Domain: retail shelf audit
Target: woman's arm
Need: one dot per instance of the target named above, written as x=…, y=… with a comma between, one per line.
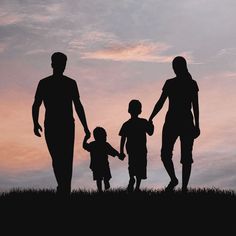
x=195, y=104
x=158, y=105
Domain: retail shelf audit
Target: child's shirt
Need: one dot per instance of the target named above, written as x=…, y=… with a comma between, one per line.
x=135, y=130
x=99, y=152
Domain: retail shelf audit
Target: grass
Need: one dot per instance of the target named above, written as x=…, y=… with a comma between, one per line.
x=121, y=195
x=150, y=209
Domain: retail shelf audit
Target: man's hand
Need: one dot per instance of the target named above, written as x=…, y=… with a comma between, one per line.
x=37, y=127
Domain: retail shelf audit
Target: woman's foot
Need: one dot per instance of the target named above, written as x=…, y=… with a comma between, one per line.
x=170, y=187
x=184, y=189
x=106, y=185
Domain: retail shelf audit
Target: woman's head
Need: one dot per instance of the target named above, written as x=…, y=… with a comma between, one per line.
x=179, y=65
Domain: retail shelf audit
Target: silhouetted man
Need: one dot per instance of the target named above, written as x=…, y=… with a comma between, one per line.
x=58, y=92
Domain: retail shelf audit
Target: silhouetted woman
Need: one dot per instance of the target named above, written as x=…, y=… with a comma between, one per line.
x=182, y=92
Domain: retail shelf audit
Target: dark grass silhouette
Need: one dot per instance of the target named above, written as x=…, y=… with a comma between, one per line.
x=200, y=211
x=120, y=195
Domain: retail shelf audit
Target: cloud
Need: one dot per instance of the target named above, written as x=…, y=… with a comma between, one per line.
x=227, y=51
x=36, y=51
x=91, y=39
x=3, y=47
x=9, y=18
x=38, y=13
x=141, y=51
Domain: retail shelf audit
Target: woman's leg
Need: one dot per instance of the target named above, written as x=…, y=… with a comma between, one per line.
x=186, y=159
x=169, y=138
x=186, y=171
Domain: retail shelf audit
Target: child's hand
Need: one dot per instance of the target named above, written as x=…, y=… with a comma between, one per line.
x=121, y=156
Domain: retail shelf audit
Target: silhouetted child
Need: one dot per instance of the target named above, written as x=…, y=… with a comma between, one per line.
x=99, y=151
x=133, y=134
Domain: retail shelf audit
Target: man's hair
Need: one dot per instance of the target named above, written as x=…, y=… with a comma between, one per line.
x=58, y=57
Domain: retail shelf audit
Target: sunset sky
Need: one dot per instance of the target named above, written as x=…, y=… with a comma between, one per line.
x=118, y=51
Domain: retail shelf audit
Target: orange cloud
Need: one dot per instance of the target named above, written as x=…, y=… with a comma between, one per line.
x=141, y=51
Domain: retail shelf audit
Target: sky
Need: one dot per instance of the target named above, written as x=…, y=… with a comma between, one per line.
x=118, y=51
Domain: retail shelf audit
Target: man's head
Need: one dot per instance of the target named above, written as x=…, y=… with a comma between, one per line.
x=100, y=134
x=135, y=107
x=58, y=62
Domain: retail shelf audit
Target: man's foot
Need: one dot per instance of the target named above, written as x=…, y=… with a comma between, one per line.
x=184, y=189
x=170, y=187
x=130, y=187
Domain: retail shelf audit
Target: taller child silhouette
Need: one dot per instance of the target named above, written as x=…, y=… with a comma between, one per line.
x=182, y=92
x=58, y=92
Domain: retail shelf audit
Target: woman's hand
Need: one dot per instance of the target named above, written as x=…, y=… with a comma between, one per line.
x=196, y=132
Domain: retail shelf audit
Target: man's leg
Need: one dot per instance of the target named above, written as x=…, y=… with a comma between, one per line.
x=61, y=147
x=68, y=152
x=52, y=144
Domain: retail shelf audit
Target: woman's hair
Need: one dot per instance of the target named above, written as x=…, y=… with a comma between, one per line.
x=180, y=68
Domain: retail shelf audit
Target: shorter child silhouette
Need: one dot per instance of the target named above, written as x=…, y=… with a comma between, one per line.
x=99, y=151
x=133, y=134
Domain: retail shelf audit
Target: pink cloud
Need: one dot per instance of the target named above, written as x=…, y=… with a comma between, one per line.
x=141, y=51
x=9, y=18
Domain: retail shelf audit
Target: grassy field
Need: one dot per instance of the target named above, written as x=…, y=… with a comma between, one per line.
x=200, y=210
x=120, y=194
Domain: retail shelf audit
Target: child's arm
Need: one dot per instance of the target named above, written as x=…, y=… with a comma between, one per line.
x=122, y=145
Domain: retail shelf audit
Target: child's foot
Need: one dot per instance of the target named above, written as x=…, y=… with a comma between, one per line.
x=137, y=190
x=130, y=187
x=184, y=189
x=106, y=185
x=170, y=187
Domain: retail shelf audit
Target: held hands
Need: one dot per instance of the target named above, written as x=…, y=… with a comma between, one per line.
x=87, y=133
x=121, y=156
x=37, y=128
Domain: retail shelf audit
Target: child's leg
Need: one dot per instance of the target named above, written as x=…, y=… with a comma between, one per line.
x=138, y=182
x=99, y=185
x=131, y=183
x=131, y=173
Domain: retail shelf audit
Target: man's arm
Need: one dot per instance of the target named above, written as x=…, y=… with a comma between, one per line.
x=35, y=115
x=80, y=109
x=81, y=114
